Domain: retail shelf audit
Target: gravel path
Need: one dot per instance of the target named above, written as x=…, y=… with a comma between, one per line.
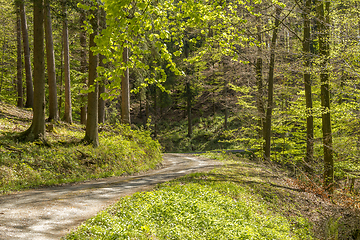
x=50, y=213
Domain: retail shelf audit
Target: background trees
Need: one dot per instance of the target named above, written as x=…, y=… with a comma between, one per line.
x=200, y=74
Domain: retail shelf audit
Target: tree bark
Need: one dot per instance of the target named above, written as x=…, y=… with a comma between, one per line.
x=50, y=56
x=68, y=111
x=91, y=134
x=19, y=83
x=307, y=80
x=83, y=63
x=29, y=82
x=155, y=112
x=61, y=77
x=102, y=83
x=226, y=105
x=125, y=91
x=324, y=52
x=259, y=81
x=101, y=105
x=37, y=128
x=147, y=111
x=271, y=85
x=189, y=117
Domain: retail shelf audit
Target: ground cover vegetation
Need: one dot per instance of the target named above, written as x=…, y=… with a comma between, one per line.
x=64, y=158
x=277, y=77
x=232, y=202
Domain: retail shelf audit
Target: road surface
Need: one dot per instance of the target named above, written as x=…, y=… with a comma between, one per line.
x=50, y=213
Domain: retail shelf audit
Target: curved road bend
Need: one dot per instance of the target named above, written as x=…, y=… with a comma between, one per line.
x=50, y=213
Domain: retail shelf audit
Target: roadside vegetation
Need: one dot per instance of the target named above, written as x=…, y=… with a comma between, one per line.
x=220, y=204
x=243, y=199
x=63, y=158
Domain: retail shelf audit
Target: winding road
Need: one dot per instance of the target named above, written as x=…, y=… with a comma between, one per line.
x=50, y=213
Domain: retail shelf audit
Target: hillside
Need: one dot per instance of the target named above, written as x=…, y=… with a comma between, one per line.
x=64, y=158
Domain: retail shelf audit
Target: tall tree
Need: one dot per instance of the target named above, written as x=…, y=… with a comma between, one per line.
x=188, y=89
x=50, y=56
x=19, y=83
x=102, y=82
x=37, y=128
x=29, y=82
x=323, y=16
x=271, y=84
x=125, y=90
x=68, y=110
x=91, y=134
x=83, y=68
x=259, y=81
x=307, y=81
x=188, y=105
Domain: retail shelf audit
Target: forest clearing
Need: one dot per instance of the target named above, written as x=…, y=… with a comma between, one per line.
x=97, y=89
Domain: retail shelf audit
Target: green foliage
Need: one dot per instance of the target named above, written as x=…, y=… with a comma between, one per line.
x=7, y=51
x=197, y=206
x=208, y=134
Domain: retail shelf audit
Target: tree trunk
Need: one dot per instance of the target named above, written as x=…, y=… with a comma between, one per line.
x=3, y=59
x=50, y=56
x=307, y=81
x=91, y=134
x=189, y=117
x=37, y=128
x=83, y=63
x=226, y=106
x=259, y=81
x=20, y=98
x=29, y=82
x=271, y=85
x=155, y=112
x=68, y=111
x=324, y=52
x=147, y=111
x=125, y=91
x=61, y=78
x=102, y=83
x=101, y=105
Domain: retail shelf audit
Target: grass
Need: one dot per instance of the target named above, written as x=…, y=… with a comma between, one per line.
x=215, y=205
x=26, y=165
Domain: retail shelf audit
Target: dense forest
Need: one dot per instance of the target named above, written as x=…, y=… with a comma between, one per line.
x=277, y=78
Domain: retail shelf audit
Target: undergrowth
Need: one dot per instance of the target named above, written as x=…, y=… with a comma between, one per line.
x=207, y=134
x=215, y=205
x=31, y=164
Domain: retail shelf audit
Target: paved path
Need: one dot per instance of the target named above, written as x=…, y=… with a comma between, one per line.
x=50, y=213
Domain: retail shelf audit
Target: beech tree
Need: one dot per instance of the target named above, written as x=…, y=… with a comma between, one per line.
x=50, y=56
x=28, y=72
x=307, y=82
x=125, y=89
x=84, y=66
x=102, y=80
x=91, y=134
x=19, y=77
x=323, y=23
x=68, y=109
x=270, y=103
x=37, y=128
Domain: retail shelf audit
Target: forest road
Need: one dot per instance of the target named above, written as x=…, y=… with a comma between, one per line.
x=50, y=213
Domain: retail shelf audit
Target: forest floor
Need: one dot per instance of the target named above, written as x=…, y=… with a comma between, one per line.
x=49, y=213
x=311, y=213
